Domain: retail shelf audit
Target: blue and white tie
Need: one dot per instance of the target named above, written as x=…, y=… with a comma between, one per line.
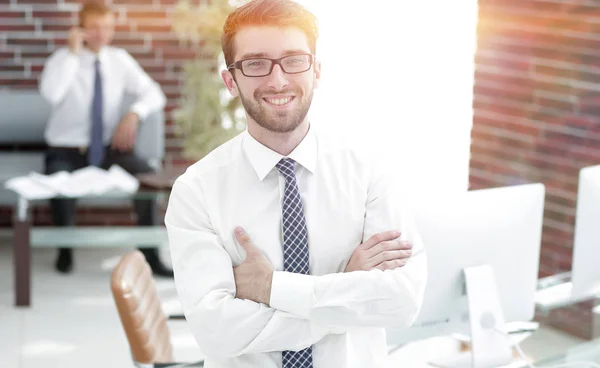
x=295, y=248
x=95, y=152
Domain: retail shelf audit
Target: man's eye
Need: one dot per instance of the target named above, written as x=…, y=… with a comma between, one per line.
x=295, y=61
x=256, y=63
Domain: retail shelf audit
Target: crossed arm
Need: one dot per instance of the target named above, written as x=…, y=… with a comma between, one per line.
x=228, y=321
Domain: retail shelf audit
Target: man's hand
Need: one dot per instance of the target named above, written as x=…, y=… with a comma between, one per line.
x=253, y=277
x=124, y=138
x=76, y=38
x=383, y=251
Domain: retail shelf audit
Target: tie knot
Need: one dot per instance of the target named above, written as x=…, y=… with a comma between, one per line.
x=286, y=168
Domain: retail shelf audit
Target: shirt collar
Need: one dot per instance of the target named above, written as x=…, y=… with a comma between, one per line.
x=264, y=159
x=92, y=57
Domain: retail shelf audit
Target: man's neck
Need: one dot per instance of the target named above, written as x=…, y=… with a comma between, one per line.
x=282, y=143
x=95, y=50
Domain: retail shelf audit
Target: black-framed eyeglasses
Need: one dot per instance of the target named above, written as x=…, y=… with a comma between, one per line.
x=261, y=67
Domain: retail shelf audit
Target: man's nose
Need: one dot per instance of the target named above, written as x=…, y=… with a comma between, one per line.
x=277, y=78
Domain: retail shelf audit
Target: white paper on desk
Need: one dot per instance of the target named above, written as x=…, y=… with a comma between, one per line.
x=54, y=181
x=88, y=181
x=28, y=188
x=122, y=180
x=58, y=182
x=92, y=180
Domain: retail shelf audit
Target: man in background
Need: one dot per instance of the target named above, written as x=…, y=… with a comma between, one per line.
x=85, y=84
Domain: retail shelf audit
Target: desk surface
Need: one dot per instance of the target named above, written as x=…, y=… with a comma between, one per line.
x=162, y=180
x=585, y=352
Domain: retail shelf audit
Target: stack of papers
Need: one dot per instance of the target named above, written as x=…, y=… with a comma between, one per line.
x=89, y=181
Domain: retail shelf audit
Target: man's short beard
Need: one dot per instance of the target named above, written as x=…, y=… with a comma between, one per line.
x=275, y=124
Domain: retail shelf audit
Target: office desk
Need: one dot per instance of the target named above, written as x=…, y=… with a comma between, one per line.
x=585, y=352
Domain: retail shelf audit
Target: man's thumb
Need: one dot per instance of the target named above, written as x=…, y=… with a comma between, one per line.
x=243, y=239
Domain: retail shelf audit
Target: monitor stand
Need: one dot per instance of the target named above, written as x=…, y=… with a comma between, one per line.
x=489, y=347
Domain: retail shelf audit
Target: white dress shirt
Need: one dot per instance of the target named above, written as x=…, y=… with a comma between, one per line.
x=346, y=201
x=67, y=83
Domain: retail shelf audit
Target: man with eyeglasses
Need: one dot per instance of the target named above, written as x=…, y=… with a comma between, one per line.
x=289, y=249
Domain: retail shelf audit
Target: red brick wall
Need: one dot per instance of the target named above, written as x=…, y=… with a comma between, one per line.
x=537, y=115
x=30, y=30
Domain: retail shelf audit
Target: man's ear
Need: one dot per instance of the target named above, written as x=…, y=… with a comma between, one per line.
x=230, y=83
x=317, y=68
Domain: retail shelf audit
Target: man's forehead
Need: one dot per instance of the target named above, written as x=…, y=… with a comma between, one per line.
x=270, y=41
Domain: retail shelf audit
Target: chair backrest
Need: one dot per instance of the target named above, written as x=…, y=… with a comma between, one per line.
x=139, y=307
x=23, y=118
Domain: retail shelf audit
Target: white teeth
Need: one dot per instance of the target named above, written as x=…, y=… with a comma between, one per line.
x=279, y=101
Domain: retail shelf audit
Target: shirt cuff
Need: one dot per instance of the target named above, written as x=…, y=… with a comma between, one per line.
x=292, y=293
x=140, y=110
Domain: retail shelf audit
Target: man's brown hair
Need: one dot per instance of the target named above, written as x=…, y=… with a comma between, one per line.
x=278, y=13
x=93, y=8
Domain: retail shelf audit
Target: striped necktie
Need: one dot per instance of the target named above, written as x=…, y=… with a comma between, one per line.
x=96, y=148
x=295, y=248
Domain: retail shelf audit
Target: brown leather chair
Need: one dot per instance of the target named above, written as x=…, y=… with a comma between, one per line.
x=141, y=314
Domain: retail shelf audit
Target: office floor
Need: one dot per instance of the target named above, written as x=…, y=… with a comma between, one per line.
x=73, y=321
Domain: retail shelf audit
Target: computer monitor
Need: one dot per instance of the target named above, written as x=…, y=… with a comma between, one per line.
x=585, y=273
x=483, y=250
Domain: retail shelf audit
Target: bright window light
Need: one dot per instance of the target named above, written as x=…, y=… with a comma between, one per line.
x=398, y=80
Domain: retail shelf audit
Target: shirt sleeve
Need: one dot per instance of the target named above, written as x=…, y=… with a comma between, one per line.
x=222, y=325
x=150, y=97
x=390, y=298
x=58, y=75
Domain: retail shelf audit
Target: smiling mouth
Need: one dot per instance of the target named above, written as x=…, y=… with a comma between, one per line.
x=279, y=101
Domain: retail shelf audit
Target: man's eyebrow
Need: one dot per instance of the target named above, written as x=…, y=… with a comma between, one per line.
x=252, y=55
x=295, y=52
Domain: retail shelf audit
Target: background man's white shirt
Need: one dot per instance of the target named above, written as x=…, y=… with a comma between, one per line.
x=67, y=83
